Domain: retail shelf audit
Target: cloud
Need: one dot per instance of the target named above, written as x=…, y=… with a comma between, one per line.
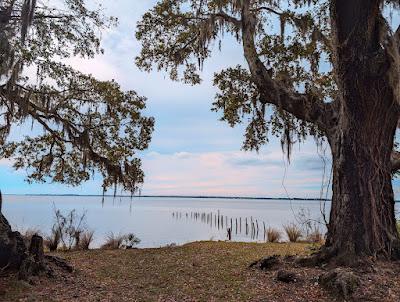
x=231, y=173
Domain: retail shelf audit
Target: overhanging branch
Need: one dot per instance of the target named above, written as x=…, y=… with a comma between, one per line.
x=304, y=106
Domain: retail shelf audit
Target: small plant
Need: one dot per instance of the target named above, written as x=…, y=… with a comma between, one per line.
x=293, y=232
x=114, y=242
x=273, y=235
x=52, y=242
x=67, y=231
x=129, y=241
x=86, y=238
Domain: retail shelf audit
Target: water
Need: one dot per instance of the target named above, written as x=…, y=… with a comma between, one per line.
x=159, y=221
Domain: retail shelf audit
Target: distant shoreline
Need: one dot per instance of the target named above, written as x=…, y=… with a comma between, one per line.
x=179, y=196
x=173, y=196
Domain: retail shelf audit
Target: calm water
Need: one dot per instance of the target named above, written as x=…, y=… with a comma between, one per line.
x=159, y=221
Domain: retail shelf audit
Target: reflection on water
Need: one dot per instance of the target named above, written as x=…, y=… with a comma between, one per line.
x=161, y=221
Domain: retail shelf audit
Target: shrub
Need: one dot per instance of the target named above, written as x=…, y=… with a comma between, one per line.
x=52, y=242
x=129, y=241
x=273, y=235
x=67, y=229
x=86, y=238
x=113, y=241
x=293, y=232
x=119, y=241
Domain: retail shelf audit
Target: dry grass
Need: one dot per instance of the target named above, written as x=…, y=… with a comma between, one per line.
x=52, y=241
x=120, y=241
x=273, y=235
x=85, y=239
x=293, y=232
x=201, y=271
x=113, y=241
x=315, y=236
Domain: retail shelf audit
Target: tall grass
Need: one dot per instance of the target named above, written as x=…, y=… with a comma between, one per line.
x=120, y=241
x=293, y=232
x=86, y=238
x=273, y=235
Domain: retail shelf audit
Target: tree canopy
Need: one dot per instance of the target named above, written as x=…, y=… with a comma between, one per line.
x=289, y=80
x=326, y=68
x=88, y=125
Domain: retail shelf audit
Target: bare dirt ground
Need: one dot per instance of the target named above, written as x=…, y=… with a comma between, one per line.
x=201, y=271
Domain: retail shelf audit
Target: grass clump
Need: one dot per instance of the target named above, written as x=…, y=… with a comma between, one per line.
x=293, y=232
x=120, y=241
x=85, y=239
x=273, y=235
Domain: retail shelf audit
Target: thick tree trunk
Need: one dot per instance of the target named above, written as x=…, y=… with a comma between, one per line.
x=12, y=246
x=362, y=220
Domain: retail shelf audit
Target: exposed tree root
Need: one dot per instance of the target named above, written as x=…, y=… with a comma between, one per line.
x=16, y=257
x=342, y=278
x=36, y=263
x=330, y=257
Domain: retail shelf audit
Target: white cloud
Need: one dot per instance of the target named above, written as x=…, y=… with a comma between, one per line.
x=231, y=174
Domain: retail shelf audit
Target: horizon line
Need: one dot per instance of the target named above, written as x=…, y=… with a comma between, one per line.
x=176, y=196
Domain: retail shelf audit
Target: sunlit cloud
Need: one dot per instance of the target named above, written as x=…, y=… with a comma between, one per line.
x=231, y=174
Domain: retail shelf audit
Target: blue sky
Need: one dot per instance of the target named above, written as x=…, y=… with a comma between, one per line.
x=192, y=153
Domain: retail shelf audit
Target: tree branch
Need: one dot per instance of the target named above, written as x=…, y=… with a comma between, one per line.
x=304, y=106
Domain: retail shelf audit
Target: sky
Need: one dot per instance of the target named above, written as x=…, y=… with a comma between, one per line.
x=192, y=152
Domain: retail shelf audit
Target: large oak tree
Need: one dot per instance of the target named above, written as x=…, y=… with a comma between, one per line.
x=314, y=67
x=80, y=124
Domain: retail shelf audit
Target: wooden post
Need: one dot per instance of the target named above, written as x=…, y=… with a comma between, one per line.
x=240, y=225
x=257, y=228
x=229, y=234
x=265, y=231
x=236, y=225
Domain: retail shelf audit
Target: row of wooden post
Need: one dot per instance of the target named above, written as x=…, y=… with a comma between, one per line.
x=251, y=225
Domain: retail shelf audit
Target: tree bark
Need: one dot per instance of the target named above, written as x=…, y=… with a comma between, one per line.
x=13, y=250
x=12, y=246
x=362, y=219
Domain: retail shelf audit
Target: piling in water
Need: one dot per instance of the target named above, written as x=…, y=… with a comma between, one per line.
x=229, y=234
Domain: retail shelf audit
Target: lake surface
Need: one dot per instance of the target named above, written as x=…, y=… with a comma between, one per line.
x=159, y=221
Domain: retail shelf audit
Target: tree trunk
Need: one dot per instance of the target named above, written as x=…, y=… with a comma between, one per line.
x=12, y=246
x=362, y=220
